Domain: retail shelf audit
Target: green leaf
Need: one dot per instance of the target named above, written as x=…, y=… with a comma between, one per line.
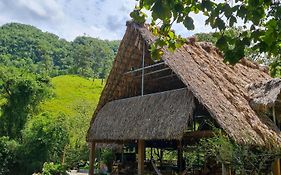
x=171, y=34
x=220, y=23
x=227, y=10
x=232, y=20
x=161, y=11
x=146, y=4
x=230, y=57
x=188, y=23
x=138, y=16
x=242, y=11
x=222, y=43
x=206, y=4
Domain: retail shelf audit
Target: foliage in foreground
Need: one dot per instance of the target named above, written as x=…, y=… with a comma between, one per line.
x=242, y=159
x=53, y=169
x=274, y=63
x=263, y=16
x=44, y=139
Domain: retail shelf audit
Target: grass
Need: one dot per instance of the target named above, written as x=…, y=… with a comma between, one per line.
x=71, y=90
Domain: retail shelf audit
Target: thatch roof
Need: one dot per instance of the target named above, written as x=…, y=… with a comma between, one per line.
x=162, y=115
x=265, y=94
x=221, y=88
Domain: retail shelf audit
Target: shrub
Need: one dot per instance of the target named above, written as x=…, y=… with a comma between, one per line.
x=53, y=169
x=44, y=140
x=8, y=149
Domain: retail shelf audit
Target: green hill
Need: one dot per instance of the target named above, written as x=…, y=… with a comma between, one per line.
x=70, y=92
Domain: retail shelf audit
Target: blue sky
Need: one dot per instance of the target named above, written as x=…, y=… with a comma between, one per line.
x=103, y=19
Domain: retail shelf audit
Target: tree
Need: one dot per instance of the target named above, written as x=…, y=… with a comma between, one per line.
x=82, y=57
x=22, y=92
x=93, y=57
x=8, y=149
x=44, y=140
x=263, y=16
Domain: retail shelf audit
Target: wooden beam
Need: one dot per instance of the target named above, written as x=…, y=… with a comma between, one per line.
x=140, y=157
x=92, y=158
x=276, y=167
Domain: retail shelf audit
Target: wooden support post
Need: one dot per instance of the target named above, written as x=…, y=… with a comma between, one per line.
x=276, y=167
x=151, y=156
x=140, y=157
x=92, y=158
x=180, y=157
x=225, y=170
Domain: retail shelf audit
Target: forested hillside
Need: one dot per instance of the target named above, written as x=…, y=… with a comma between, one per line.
x=28, y=47
x=49, y=88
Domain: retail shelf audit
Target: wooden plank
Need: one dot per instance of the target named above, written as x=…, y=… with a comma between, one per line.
x=92, y=158
x=276, y=167
x=140, y=157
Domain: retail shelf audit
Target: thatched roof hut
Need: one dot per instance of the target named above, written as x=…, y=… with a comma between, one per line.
x=225, y=91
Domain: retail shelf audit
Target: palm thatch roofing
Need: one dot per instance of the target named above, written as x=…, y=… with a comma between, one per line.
x=266, y=97
x=162, y=115
x=265, y=94
x=221, y=88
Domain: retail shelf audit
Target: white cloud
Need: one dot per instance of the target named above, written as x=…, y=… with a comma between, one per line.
x=104, y=19
x=31, y=11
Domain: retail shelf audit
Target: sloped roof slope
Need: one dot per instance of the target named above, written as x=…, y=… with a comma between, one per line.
x=163, y=115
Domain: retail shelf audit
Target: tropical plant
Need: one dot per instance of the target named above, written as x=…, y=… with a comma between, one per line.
x=262, y=17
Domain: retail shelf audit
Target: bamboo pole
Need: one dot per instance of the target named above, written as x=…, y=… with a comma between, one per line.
x=276, y=167
x=92, y=158
x=140, y=157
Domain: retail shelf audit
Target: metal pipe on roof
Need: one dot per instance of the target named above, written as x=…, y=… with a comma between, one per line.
x=156, y=71
x=142, y=73
x=146, y=67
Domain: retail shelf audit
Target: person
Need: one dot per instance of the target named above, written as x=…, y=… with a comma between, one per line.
x=103, y=169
